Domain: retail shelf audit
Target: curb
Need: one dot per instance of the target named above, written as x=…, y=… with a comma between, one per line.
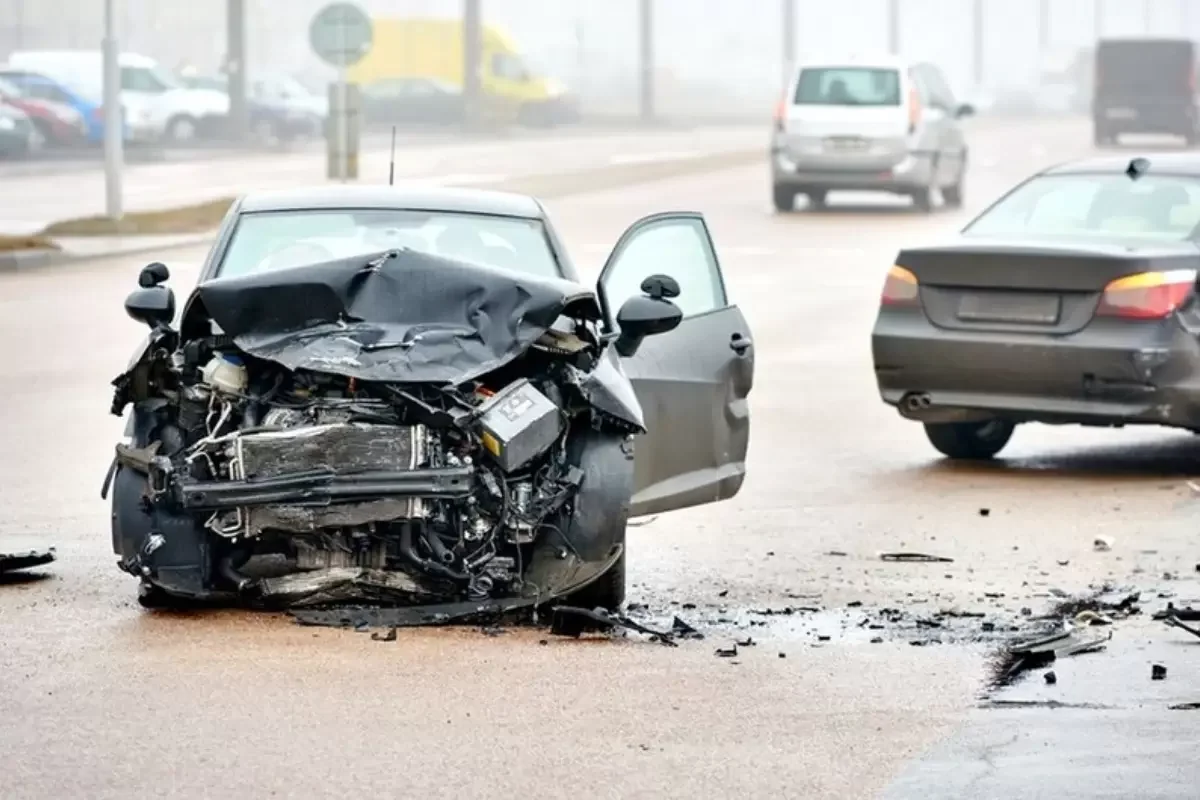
x=565, y=184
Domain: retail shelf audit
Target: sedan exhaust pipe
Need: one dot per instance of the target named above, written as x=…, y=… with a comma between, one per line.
x=917, y=402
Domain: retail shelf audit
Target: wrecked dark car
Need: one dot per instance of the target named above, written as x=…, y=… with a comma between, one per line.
x=406, y=397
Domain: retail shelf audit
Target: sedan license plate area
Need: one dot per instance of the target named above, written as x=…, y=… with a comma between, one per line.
x=1121, y=113
x=1022, y=308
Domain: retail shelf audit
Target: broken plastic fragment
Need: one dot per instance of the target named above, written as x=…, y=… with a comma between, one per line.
x=915, y=557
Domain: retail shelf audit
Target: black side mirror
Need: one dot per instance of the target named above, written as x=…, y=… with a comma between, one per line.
x=964, y=110
x=153, y=274
x=649, y=314
x=152, y=303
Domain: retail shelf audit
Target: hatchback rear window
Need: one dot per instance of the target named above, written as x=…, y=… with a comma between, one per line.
x=848, y=86
x=1158, y=207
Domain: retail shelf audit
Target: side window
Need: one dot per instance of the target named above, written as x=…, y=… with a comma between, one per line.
x=138, y=79
x=508, y=67
x=676, y=247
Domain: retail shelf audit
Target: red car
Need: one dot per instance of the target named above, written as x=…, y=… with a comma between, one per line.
x=58, y=124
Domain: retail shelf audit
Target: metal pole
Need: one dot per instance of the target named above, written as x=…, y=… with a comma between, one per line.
x=894, y=27
x=113, y=115
x=977, y=39
x=343, y=117
x=472, y=56
x=1098, y=19
x=789, y=38
x=1148, y=14
x=235, y=67
x=646, y=32
x=1043, y=26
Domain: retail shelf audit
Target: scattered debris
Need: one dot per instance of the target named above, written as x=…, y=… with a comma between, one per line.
x=390, y=636
x=726, y=652
x=1089, y=617
x=983, y=512
x=747, y=642
x=1158, y=672
x=1043, y=651
x=823, y=638
x=1066, y=562
x=1102, y=544
x=854, y=604
x=783, y=655
x=922, y=558
x=1050, y=677
x=877, y=640
x=838, y=553
x=1175, y=622
x=1187, y=614
x=723, y=593
x=684, y=630
x=1193, y=706
x=572, y=621
x=10, y=562
x=1195, y=487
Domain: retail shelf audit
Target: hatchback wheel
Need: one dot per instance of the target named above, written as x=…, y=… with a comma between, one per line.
x=969, y=441
x=784, y=198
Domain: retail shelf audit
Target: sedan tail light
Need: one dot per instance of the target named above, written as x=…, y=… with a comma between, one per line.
x=900, y=288
x=1147, y=295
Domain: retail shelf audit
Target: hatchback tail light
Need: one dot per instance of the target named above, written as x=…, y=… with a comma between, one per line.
x=900, y=288
x=914, y=110
x=1147, y=295
x=780, y=115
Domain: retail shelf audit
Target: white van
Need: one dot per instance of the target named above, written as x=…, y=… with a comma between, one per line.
x=155, y=103
x=879, y=124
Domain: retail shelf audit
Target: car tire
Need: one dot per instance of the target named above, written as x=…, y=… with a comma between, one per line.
x=953, y=194
x=923, y=199
x=969, y=441
x=784, y=199
x=816, y=200
x=607, y=591
x=182, y=128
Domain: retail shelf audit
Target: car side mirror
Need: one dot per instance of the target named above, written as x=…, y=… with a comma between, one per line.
x=153, y=274
x=648, y=314
x=152, y=303
x=964, y=110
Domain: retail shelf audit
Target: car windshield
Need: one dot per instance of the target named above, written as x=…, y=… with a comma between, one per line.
x=848, y=86
x=10, y=89
x=283, y=239
x=1090, y=205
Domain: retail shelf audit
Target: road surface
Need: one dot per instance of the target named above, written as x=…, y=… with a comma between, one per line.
x=105, y=700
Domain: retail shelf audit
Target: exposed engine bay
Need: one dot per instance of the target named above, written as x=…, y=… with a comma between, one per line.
x=265, y=464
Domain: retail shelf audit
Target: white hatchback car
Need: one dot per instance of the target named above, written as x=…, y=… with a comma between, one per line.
x=878, y=125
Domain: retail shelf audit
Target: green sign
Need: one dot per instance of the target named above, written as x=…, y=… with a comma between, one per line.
x=341, y=34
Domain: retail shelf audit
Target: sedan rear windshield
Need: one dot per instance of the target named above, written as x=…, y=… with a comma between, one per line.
x=284, y=239
x=848, y=86
x=1158, y=207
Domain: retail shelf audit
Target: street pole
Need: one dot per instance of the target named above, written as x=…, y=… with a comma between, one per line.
x=977, y=39
x=1043, y=27
x=113, y=116
x=1098, y=19
x=472, y=53
x=894, y=27
x=1148, y=14
x=646, y=32
x=789, y=39
x=235, y=67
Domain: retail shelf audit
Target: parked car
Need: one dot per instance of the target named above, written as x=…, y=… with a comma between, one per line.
x=277, y=113
x=18, y=136
x=412, y=101
x=869, y=125
x=156, y=105
x=57, y=124
x=90, y=106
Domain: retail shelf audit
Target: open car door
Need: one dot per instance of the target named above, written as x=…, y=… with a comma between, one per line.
x=692, y=381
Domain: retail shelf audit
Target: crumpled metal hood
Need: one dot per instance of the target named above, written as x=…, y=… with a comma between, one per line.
x=395, y=316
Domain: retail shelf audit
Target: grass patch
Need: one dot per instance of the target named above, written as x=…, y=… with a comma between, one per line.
x=12, y=244
x=186, y=219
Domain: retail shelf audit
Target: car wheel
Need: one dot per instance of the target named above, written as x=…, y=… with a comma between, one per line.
x=181, y=129
x=969, y=441
x=607, y=591
x=785, y=199
x=923, y=199
x=154, y=597
x=953, y=194
x=816, y=199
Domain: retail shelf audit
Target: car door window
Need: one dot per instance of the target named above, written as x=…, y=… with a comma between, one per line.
x=676, y=246
x=139, y=79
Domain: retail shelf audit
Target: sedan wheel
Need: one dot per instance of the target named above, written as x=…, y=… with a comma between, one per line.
x=969, y=441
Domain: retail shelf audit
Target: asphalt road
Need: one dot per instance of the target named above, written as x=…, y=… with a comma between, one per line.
x=102, y=699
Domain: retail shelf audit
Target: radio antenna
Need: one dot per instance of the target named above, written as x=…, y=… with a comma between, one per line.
x=392, y=160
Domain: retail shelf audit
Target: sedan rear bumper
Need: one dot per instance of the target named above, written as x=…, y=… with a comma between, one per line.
x=1111, y=373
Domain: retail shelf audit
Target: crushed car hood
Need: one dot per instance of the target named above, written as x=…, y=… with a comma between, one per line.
x=397, y=316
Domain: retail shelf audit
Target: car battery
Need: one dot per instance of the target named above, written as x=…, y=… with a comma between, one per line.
x=517, y=424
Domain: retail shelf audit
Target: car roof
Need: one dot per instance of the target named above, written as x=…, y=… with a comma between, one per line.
x=880, y=60
x=1162, y=163
x=415, y=197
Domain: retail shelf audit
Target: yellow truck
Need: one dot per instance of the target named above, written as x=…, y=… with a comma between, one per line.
x=433, y=48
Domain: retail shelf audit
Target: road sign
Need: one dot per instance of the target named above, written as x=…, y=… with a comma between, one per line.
x=341, y=34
